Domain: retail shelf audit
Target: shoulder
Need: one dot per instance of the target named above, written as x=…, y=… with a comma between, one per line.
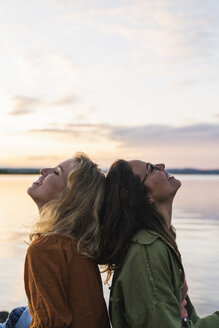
x=149, y=258
x=52, y=246
x=150, y=250
x=152, y=242
x=51, y=241
x=145, y=237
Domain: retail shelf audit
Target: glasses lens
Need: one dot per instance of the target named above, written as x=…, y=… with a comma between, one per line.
x=155, y=167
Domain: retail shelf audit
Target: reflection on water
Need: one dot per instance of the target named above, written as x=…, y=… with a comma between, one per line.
x=17, y=213
x=195, y=216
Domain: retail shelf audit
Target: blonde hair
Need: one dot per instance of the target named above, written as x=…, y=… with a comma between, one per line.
x=75, y=213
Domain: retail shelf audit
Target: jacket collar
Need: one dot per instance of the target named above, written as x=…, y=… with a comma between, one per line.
x=148, y=237
x=145, y=237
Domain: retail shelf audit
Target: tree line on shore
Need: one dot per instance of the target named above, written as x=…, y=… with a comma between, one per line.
x=172, y=171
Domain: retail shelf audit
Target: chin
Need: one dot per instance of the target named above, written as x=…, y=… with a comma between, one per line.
x=176, y=181
x=31, y=192
x=177, y=184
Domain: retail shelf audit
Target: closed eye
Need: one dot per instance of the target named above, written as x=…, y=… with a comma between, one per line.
x=152, y=168
x=56, y=172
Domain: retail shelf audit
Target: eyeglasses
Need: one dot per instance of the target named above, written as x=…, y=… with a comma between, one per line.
x=150, y=167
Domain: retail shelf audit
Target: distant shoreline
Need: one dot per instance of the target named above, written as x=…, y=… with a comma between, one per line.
x=173, y=171
x=19, y=171
x=192, y=171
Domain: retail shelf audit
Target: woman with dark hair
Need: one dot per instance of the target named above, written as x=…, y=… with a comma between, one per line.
x=138, y=244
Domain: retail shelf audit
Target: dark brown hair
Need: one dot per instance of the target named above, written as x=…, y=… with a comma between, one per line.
x=126, y=209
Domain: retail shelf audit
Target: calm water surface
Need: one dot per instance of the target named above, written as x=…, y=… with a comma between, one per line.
x=195, y=216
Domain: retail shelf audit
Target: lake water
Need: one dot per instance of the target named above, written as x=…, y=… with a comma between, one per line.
x=195, y=216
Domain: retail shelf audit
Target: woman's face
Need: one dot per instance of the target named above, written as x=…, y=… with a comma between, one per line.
x=51, y=182
x=161, y=185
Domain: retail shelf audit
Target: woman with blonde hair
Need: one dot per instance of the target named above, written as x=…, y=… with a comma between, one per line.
x=62, y=279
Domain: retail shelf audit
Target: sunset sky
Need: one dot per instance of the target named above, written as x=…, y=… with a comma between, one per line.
x=115, y=79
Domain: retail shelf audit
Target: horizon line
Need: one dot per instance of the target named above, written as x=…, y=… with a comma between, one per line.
x=185, y=170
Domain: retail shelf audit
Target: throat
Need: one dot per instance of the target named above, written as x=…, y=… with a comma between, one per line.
x=166, y=211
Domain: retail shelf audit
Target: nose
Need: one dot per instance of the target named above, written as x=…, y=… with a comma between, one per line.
x=161, y=166
x=44, y=171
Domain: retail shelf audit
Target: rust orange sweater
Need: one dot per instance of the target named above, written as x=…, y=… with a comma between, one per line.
x=63, y=288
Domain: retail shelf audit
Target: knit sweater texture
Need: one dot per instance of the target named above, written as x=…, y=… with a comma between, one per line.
x=64, y=289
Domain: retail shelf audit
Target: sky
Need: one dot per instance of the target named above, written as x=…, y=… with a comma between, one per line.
x=134, y=79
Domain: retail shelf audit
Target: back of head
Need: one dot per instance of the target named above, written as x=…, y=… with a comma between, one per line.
x=126, y=209
x=75, y=213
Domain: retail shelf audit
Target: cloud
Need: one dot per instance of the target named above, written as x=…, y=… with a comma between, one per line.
x=140, y=136
x=78, y=130
x=66, y=101
x=87, y=114
x=24, y=105
x=167, y=135
x=59, y=4
x=42, y=157
x=162, y=28
x=183, y=82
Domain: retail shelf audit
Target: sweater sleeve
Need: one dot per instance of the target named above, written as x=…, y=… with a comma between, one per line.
x=46, y=283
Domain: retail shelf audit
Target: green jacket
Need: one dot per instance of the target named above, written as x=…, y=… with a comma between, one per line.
x=147, y=291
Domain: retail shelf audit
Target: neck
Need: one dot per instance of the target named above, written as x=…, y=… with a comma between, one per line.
x=39, y=206
x=166, y=211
